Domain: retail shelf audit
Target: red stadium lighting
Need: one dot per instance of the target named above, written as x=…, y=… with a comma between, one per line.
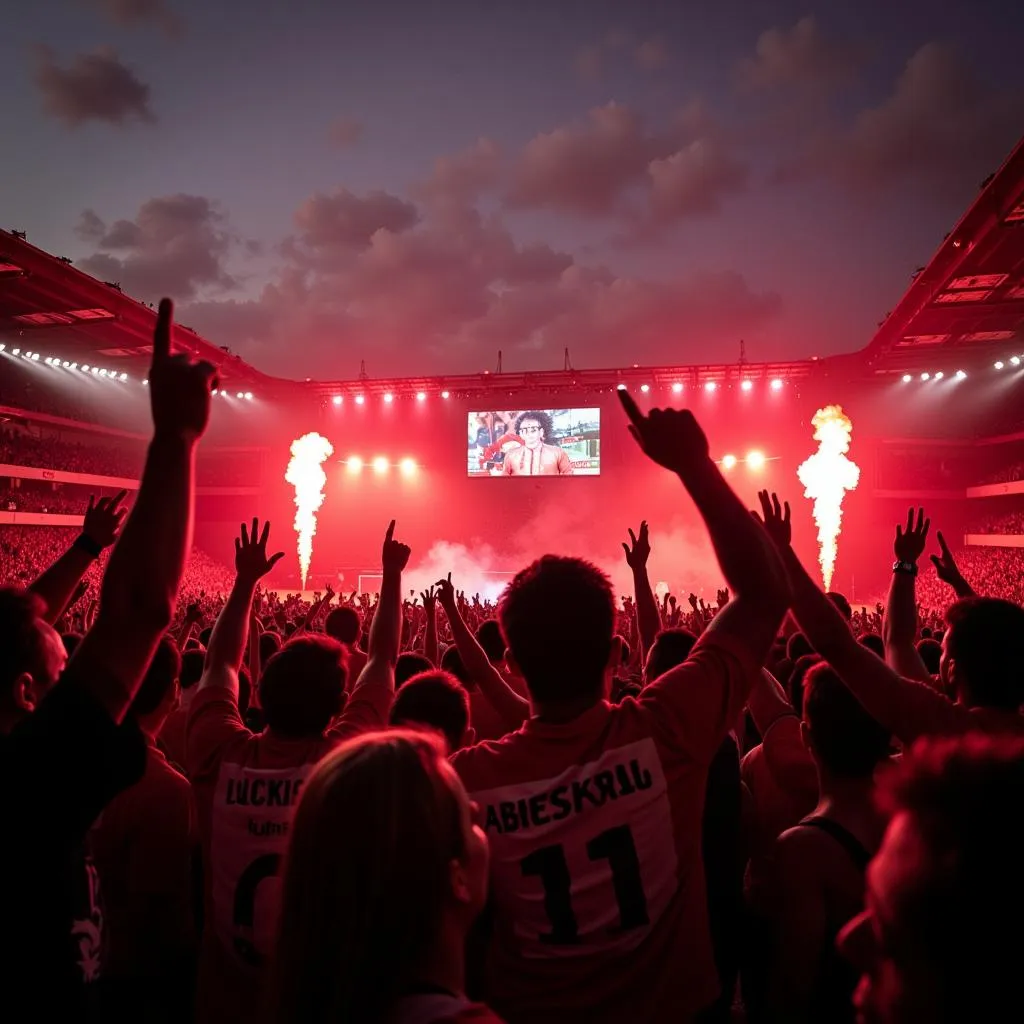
x=421, y=396
x=755, y=460
x=620, y=387
x=645, y=388
x=926, y=376
x=1015, y=360
x=776, y=385
x=360, y=399
x=444, y=394
x=677, y=387
x=380, y=464
x=960, y=375
x=408, y=467
x=355, y=464
x=710, y=386
x=939, y=375
x=907, y=378
x=388, y=397
x=728, y=461
x=999, y=365
x=336, y=399
x=747, y=385
x=248, y=396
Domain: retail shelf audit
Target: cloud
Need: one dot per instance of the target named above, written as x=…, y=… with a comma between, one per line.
x=176, y=245
x=585, y=168
x=941, y=127
x=798, y=57
x=346, y=132
x=343, y=220
x=461, y=178
x=694, y=180
x=94, y=87
x=651, y=54
x=129, y=13
x=442, y=296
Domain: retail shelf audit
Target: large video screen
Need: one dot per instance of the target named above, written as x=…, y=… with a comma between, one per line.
x=535, y=442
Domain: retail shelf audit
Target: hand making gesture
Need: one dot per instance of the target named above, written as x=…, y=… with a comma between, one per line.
x=394, y=554
x=775, y=518
x=429, y=600
x=639, y=548
x=910, y=541
x=103, y=519
x=179, y=389
x=670, y=437
x=251, y=561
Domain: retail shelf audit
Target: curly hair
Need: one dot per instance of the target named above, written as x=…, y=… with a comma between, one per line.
x=544, y=419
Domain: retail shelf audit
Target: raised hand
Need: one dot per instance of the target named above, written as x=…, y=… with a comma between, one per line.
x=429, y=600
x=670, y=437
x=395, y=554
x=722, y=597
x=775, y=518
x=446, y=592
x=179, y=389
x=103, y=519
x=910, y=541
x=251, y=561
x=945, y=564
x=193, y=613
x=639, y=548
x=328, y=594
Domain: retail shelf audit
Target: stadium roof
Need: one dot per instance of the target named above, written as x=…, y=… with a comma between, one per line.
x=967, y=305
x=63, y=312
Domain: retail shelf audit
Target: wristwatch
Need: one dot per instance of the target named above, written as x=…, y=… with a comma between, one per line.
x=907, y=568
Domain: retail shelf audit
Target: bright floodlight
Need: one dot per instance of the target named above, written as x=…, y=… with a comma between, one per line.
x=677, y=387
x=354, y=463
x=999, y=364
x=1015, y=360
x=728, y=461
x=960, y=375
x=747, y=385
x=388, y=397
x=336, y=399
x=444, y=394
x=710, y=386
x=776, y=385
x=407, y=466
x=926, y=376
x=645, y=388
x=907, y=378
x=421, y=396
x=620, y=387
x=248, y=396
x=755, y=460
x=124, y=376
x=240, y=394
x=939, y=375
x=360, y=399
x=380, y=464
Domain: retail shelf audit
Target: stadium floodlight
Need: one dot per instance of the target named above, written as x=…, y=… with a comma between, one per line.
x=728, y=461
x=939, y=375
x=248, y=396
x=710, y=387
x=776, y=385
x=926, y=376
x=747, y=385
x=999, y=364
x=354, y=463
x=960, y=375
x=755, y=460
x=1015, y=360
x=388, y=397
x=620, y=387
x=360, y=399
x=907, y=378
x=444, y=394
x=645, y=388
x=421, y=396
x=380, y=464
x=676, y=388
x=407, y=466
x=336, y=399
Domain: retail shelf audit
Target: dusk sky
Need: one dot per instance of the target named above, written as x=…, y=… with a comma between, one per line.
x=422, y=184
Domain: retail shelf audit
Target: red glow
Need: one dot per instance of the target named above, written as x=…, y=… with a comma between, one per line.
x=336, y=399
x=408, y=467
x=380, y=464
x=355, y=464
x=755, y=460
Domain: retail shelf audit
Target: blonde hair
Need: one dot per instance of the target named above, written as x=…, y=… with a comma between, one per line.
x=365, y=879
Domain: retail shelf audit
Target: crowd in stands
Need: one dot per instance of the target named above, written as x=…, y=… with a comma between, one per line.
x=1005, y=474
x=41, y=499
x=1010, y=522
x=227, y=804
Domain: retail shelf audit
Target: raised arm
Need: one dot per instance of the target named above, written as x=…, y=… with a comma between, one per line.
x=57, y=584
x=141, y=583
x=648, y=618
x=907, y=709
x=899, y=627
x=430, y=625
x=949, y=572
x=505, y=701
x=749, y=562
x=227, y=641
x=386, y=627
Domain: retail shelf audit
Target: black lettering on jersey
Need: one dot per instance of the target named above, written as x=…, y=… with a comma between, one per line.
x=492, y=824
x=258, y=792
x=605, y=782
x=563, y=807
x=641, y=776
x=263, y=792
x=509, y=821
x=626, y=788
x=581, y=792
x=538, y=812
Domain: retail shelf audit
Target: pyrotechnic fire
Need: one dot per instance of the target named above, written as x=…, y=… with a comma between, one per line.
x=827, y=476
x=305, y=473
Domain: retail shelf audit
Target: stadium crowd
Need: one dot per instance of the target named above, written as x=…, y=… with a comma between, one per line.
x=1010, y=522
x=225, y=804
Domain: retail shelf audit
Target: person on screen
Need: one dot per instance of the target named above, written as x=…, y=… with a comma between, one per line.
x=536, y=456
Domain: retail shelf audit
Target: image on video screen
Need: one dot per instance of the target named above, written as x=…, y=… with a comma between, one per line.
x=535, y=442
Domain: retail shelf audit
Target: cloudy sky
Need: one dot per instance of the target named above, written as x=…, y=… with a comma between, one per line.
x=422, y=184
